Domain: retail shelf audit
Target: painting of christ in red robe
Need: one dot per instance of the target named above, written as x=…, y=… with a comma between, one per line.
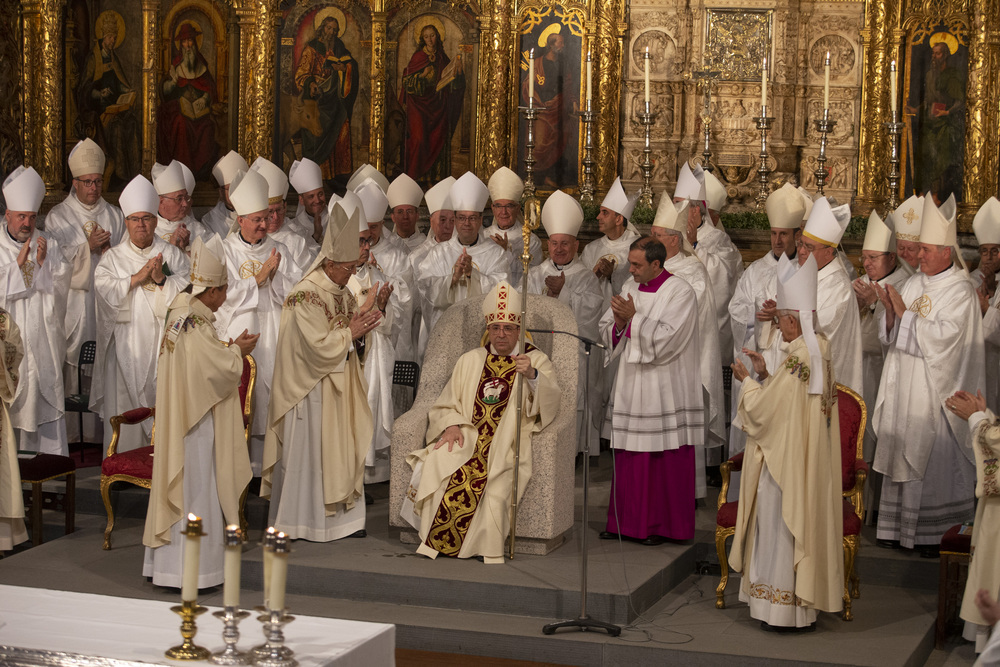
x=186, y=128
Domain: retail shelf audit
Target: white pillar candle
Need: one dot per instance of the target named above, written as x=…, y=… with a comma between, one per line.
x=646, y=73
x=589, y=75
x=826, y=82
x=892, y=89
x=268, y=559
x=531, y=76
x=763, y=86
x=231, y=582
x=192, y=554
x=279, y=572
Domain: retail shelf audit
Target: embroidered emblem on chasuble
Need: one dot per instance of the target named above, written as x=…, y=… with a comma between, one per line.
x=466, y=486
x=9, y=351
x=342, y=312
x=89, y=227
x=921, y=306
x=250, y=268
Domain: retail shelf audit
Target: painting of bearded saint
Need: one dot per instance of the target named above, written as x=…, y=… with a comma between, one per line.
x=556, y=96
x=432, y=92
x=186, y=129
x=327, y=77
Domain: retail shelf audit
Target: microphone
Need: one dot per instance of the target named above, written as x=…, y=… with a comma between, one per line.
x=583, y=339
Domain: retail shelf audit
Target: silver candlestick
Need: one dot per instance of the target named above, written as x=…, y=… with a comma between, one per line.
x=646, y=118
x=894, y=175
x=763, y=171
x=587, y=186
x=231, y=617
x=824, y=125
x=274, y=653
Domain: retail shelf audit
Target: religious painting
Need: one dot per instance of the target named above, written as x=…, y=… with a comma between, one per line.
x=555, y=34
x=933, y=110
x=103, y=85
x=325, y=90
x=431, y=98
x=192, y=121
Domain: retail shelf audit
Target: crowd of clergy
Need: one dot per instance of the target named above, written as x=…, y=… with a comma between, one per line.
x=329, y=296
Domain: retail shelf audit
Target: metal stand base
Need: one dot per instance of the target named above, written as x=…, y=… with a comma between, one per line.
x=583, y=624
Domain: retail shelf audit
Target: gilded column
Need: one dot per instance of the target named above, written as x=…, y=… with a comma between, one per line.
x=42, y=84
x=260, y=131
x=150, y=83
x=496, y=104
x=982, y=119
x=609, y=56
x=873, y=140
x=376, y=142
x=246, y=15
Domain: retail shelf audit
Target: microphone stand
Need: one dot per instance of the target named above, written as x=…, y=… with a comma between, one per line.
x=583, y=623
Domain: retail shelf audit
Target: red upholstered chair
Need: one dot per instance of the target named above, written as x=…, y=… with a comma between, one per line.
x=136, y=466
x=854, y=471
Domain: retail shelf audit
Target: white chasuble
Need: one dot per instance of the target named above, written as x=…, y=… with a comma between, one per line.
x=219, y=219
x=165, y=228
x=130, y=323
x=12, y=530
x=515, y=246
x=724, y=264
x=615, y=252
x=421, y=306
x=393, y=261
x=460, y=500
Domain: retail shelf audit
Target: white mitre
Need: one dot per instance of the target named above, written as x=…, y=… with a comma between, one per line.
x=562, y=214
x=505, y=184
x=208, y=264
x=86, y=158
x=248, y=193
x=616, y=200
x=168, y=178
x=938, y=225
x=674, y=217
x=404, y=191
x=879, y=236
x=785, y=208
x=715, y=192
x=305, y=176
x=502, y=305
x=373, y=199
x=350, y=203
x=807, y=201
x=827, y=224
x=691, y=183
x=363, y=173
x=439, y=197
x=189, y=182
x=228, y=166
x=139, y=196
x=797, y=291
x=277, y=182
x=986, y=224
x=24, y=190
x=907, y=219
x=469, y=193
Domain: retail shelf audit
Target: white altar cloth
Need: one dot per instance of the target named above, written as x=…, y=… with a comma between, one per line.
x=141, y=630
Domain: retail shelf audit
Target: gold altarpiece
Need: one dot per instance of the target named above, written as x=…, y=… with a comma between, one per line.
x=862, y=36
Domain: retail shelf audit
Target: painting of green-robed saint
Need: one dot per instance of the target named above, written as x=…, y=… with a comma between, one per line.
x=934, y=118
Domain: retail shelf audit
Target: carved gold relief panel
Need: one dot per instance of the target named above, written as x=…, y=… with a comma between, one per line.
x=737, y=42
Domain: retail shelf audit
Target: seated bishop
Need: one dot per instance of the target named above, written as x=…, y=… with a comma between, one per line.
x=465, y=265
x=174, y=184
x=260, y=278
x=201, y=465
x=135, y=282
x=459, y=497
x=788, y=544
x=565, y=277
x=221, y=217
x=319, y=428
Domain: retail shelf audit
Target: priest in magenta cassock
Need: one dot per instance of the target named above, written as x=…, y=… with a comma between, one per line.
x=657, y=408
x=459, y=497
x=319, y=427
x=201, y=465
x=136, y=281
x=34, y=282
x=788, y=544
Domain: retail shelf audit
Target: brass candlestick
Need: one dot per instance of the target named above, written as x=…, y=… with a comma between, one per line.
x=231, y=617
x=188, y=610
x=824, y=125
x=646, y=118
x=587, y=187
x=895, y=129
x=763, y=171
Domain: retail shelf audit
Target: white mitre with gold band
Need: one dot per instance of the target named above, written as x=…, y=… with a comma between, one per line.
x=715, y=192
x=373, y=199
x=305, y=176
x=827, y=224
x=505, y=184
x=438, y=198
x=469, y=193
x=208, y=264
x=404, y=191
x=691, y=183
x=616, y=200
x=86, y=158
x=139, y=196
x=785, y=208
x=674, y=217
x=879, y=237
x=248, y=193
x=502, y=305
x=363, y=173
x=228, y=166
x=24, y=190
x=797, y=287
x=986, y=224
x=562, y=214
x=907, y=219
x=277, y=182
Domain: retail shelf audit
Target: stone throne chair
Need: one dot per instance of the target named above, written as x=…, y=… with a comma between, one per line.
x=545, y=513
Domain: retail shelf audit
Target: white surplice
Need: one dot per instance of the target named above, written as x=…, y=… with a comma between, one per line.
x=617, y=253
x=515, y=246
x=129, y=329
x=724, y=263
x=219, y=219
x=35, y=296
x=393, y=261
